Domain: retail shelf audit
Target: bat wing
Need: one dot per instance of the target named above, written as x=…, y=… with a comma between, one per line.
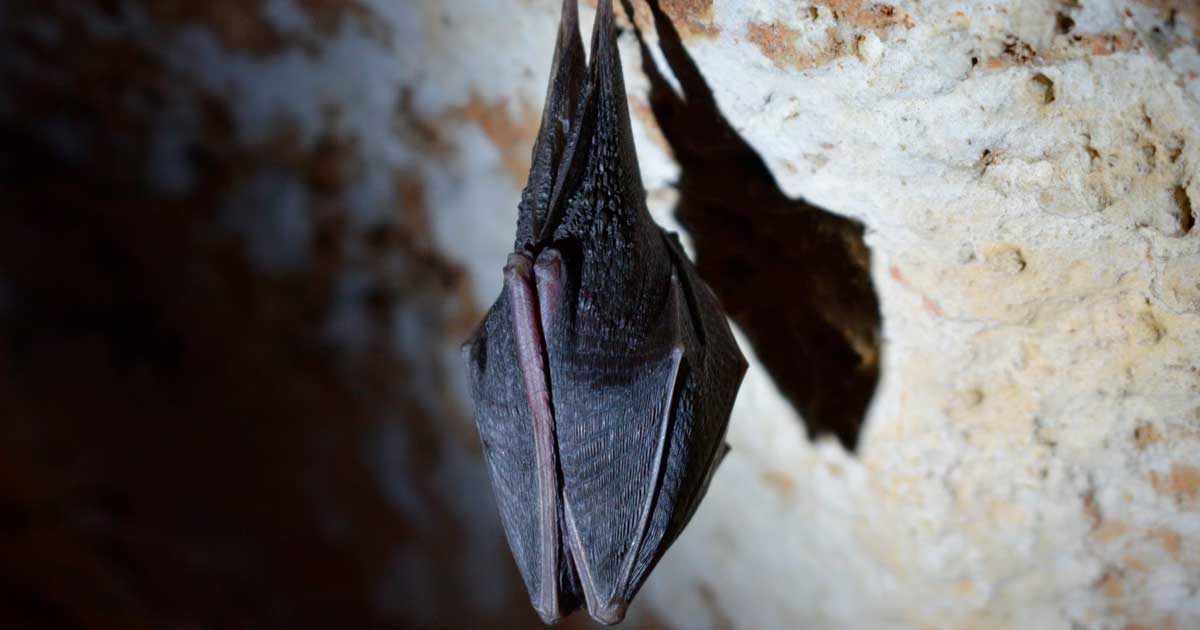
x=638, y=433
x=508, y=378
x=613, y=407
x=506, y=430
x=638, y=452
x=706, y=397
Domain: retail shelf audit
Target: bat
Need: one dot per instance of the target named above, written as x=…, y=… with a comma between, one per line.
x=605, y=373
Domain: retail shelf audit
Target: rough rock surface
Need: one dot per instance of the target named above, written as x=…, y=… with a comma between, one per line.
x=1029, y=175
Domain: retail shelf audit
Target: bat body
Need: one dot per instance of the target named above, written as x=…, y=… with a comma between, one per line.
x=604, y=374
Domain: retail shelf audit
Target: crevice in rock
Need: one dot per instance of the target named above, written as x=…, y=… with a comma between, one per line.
x=985, y=160
x=1186, y=218
x=1046, y=87
x=795, y=277
x=1063, y=22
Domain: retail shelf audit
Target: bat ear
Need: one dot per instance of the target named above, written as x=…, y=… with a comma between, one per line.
x=560, y=114
x=599, y=147
x=612, y=108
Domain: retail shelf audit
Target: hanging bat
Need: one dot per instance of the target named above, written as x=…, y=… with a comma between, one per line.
x=604, y=374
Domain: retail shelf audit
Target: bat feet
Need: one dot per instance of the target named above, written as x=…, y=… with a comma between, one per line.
x=550, y=616
x=518, y=267
x=549, y=266
x=551, y=278
x=609, y=614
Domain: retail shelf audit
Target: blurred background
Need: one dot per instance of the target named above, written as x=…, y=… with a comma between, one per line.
x=228, y=335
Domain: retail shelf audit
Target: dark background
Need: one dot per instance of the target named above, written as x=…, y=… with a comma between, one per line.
x=193, y=435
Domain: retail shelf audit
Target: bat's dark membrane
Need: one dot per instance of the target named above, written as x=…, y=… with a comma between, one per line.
x=605, y=373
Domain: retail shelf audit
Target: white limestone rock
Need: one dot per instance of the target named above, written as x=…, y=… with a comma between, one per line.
x=1027, y=172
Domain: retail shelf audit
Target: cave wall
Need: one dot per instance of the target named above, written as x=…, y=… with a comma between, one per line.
x=1026, y=172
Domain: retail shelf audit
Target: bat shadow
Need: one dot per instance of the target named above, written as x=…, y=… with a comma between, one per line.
x=794, y=277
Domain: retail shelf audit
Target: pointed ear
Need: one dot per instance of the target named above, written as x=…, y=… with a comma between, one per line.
x=600, y=144
x=612, y=108
x=568, y=73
